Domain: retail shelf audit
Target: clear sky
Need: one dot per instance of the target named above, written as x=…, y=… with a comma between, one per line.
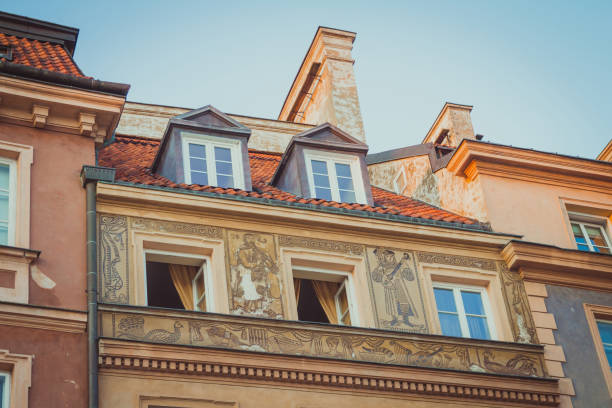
x=539, y=73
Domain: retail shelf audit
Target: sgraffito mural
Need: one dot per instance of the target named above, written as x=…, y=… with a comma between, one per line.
x=254, y=278
x=113, y=259
x=517, y=304
x=395, y=291
x=288, y=338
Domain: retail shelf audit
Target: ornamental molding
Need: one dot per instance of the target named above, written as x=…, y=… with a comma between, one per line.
x=147, y=224
x=67, y=321
x=320, y=244
x=168, y=360
x=456, y=260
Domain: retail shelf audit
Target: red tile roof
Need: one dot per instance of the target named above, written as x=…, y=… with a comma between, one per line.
x=133, y=156
x=40, y=54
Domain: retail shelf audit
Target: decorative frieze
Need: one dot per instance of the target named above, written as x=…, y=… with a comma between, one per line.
x=146, y=224
x=113, y=259
x=320, y=244
x=517, y=304
x=456, y=260
x=314, y=340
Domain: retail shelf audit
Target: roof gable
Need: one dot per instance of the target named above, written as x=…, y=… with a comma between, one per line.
x=328, y=135
x=209, y=116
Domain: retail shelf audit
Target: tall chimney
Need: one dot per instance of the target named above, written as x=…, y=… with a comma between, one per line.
x=324, y=89
x=452, y=125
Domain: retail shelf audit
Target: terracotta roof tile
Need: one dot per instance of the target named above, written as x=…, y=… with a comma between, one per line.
x=133, y=156
x=40, y=54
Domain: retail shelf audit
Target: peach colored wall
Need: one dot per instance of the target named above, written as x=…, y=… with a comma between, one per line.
x=57, y=212
x=534, y=210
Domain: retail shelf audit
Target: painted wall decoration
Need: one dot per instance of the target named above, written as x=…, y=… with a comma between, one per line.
x=254, y=278
x=113, y=259
x=517, y=304
x=321, y=244
x=289, y=338
x=147, y=224
x=395, y=290
x=456, y=260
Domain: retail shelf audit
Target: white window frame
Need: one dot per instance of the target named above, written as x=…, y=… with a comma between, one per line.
x=465, y=330
x=592, y=221
x=196, y=299
x=344, y=278
x=401, y=175
x=331, y=159
x=12, y=199
x=210, y=142
x=154, y=255
x=6, y=392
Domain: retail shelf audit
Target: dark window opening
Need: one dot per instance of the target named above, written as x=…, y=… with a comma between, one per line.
x=6, y=52
x=161, y=291
x=309, y=308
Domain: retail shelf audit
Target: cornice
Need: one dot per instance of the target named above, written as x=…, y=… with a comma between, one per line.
x=121, y=195
x=553, y=265
x=473, y=157
x=67, y=321
x=63, y=109
x=606, y=153
x=357, y=377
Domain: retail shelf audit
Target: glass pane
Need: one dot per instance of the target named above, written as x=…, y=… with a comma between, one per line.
x=3, y=233
x=605, y=331
x=342, y=301
x=450, y=324
x=347, y=196
x=199, y=285
x=321, y=180
x=603, y=250
x=324, y=193
x=478, y=327
x=202, y=304
x=445, y=300
x=343, y=170
x=197, y=164
x=576, y=229
x=196, y=150
x=472, y=303
x=608, y=350
x=2, y=382
x=346, y=320
x=223, y=153
x=225, y=181
x=4, y=207
x=224, y=168
x=4, y=176
x=596, y=236
x=319, y=167
x=199, y=178
x=345, y=183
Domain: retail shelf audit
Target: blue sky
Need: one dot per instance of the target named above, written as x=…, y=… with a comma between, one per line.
x=539, y=73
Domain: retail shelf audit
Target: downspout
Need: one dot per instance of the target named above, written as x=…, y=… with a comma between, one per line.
x=90, y=175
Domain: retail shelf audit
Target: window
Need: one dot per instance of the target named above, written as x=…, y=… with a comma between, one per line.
x=7, y=202
x=463, y=311
x=590, y=237
x=400, y=182
x=176, y=281
x=333, y=177
x=605, y=334
x=214, y=161
x=323, y=296
x=599, y=320
x=5, y=388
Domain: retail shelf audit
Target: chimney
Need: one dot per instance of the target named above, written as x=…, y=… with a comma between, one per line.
x=452, y=125
x=324, y=89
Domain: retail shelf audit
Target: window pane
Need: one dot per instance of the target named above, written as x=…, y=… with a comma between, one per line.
x=224, y=168
x=4, y=177
x=472, y=303
x=343, y=170
x=450, y=324
x=605, y=331
x=608, y=350
x=225, y=181
x=199, y=178
x=197, y=164
x=478, y=327
x=319, y=167
x=2, y=385
x=576, y=229
x=347, y=196
x=321, y=180
x=3, y=233
x=323, y=193
x=196, y=150
x=596, y=236
x=4, y=207
x=445, y=300
x=223, y=153
x=345, y=183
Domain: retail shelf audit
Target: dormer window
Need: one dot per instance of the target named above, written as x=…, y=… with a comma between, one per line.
x=334, y=177
x=211, y=160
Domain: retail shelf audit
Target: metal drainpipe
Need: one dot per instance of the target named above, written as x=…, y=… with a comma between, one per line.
x=90, y=175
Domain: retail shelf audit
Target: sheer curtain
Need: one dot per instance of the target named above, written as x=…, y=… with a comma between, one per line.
x=297, y=285
x=325, y=292
x=182, y=277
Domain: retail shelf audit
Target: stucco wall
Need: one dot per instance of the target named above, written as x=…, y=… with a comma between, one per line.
x=573, y=333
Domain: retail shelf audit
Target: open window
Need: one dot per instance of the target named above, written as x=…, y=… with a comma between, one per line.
x=177, y=281
x=323, y=296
